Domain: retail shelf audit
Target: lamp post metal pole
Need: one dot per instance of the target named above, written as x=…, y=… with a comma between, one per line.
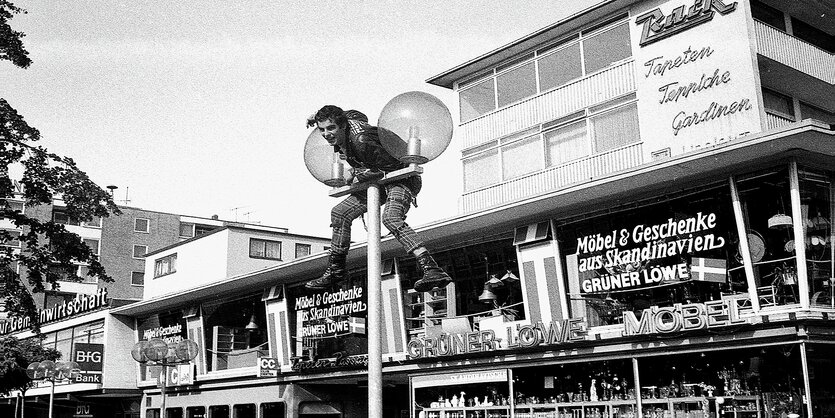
x=375, y=320
x=164, y=380
x=51, y=395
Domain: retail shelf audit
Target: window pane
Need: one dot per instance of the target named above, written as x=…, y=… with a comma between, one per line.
x=139, y=251
x=219, y=411
x=272, y=410
x=186, y=229
x=560, y=67
x=768, y=15
x=813, y=35
x=302, y=250
x=273, y=250
x=516, y=84
x=567, y=143
x=137, y=278
x=93, y=244
x=243, y=411
x=196, y=412
x=776, y=102
x=96, y=222
x=812, y=112
x=140, y=225
x=477, y=100
x=607, y=47
x=256, y=248
x=173, y=412
x=615, y=128
x=481, y=170
x=522, y=157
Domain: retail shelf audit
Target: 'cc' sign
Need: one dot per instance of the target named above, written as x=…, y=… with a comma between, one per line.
x=268, y=367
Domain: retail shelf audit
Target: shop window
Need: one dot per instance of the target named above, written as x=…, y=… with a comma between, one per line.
x=196, y=412
x=567, y=143
x=302, y=250
x=761, y=381
x=480, y=394
x=273, y=410
x=615, y=128
x=821, y=358
x=139, y=251
x=141, y=225
x=152, y=413
x=262, y=248
x=766, y=207
x=237, y=333
x=768, y=15
x=481, y=170
x=219, y=411
x=778, y=104
x=243, y=411
x=137, y=278
x=165, y=265
x=808, y=111
x=559, y=67
x=477, y=100
x=607, y=47
x=681, y=249
x=522, y=157
x=816, y=203
x=173, y=412
x=516, y=84
x=590, y=389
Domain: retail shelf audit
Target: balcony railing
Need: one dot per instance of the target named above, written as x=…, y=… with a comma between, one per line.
x=554, y=178
x=795, y=53
x=593, y=89
x=775, y=121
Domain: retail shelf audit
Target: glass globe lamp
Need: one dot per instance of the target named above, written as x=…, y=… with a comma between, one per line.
x=415, y=127
x=322, y=161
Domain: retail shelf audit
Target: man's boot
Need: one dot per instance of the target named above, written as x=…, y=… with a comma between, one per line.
x=333, y=274
x=433, y=276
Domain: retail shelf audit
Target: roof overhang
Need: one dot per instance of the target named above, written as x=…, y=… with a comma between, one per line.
x=811, y=142
x=561, y=28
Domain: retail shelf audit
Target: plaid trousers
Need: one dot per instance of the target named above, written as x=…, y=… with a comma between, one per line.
x=397, y=197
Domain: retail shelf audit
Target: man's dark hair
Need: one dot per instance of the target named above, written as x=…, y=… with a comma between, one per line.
x=329, y=112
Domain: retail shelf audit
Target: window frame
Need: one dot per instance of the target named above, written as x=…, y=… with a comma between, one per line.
x=303, y=245
x=253, y=240
x=133, y=283
x=96, y=251
x=171, y=260
x=133, y=253
x=147, y=225
x=180, y=232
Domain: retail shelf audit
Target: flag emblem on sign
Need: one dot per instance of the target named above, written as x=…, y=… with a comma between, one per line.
x=709, y=269
x=356, y=325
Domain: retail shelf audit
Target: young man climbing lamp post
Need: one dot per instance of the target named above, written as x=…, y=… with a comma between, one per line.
x=358, y=142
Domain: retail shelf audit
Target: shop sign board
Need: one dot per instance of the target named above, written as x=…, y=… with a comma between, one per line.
x=341, y=361
x=683, y=317
x=521, y=336
x=81, y=304
x=171, y=327
x=90, y=357
x=83, y=410
x=268, y=367
x=179, y=375
x=696, y=80
x=87, y=377
x=453, y=379
x=639, y=256
x=331, y=313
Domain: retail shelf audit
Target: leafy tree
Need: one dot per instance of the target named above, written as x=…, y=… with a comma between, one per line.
x=15, y=356
x=48, y=249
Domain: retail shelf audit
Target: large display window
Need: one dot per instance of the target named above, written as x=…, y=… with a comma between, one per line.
x=821, y=359
x=678, y=249
x=236, y=333
x=816, y=190
x=767, y=211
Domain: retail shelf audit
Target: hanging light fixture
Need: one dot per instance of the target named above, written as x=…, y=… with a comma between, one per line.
x=252, y=325
x=780, y=221
x=487, y=295
x=510, y=277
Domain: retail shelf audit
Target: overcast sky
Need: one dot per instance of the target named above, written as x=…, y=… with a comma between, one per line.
x=198, y=107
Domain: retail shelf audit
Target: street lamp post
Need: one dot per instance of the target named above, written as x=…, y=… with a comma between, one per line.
x=52, y=371
x=157, y=352
x=414, y=127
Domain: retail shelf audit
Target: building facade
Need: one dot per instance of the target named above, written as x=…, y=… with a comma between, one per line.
x=645, y=231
